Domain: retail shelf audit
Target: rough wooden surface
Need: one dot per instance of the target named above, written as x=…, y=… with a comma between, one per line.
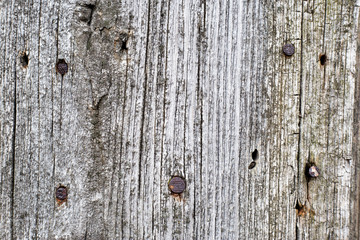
x=188, y=88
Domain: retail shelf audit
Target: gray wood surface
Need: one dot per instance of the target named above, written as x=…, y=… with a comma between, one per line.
x=189, y=88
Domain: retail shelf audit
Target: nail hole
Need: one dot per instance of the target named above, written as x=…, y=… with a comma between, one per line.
x=90, y=6
x=252, y=165
x=123, y=38
x=61, y=67
x=255, y=155
x=323, y=59
x=24, y=60
x=123, y=46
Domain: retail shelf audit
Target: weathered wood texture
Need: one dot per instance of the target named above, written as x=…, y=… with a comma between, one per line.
x=189, y=88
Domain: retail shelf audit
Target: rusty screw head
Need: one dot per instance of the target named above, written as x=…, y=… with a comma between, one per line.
x=61, y=193
x=177, y=185
x=289, y=49
x=313, y=171
x=62, y=67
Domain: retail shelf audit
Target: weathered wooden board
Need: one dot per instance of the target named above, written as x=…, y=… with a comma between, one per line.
x=192, y=88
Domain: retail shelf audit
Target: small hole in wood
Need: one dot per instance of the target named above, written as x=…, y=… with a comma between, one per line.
x=123, y=46
x=90, y=6
x=61, y=67
x=123, y=39
x=255, y=155
x=323, y=59
x=252, y=165
x=24, y=60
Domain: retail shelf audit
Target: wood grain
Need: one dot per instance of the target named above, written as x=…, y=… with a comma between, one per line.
x=157, y=89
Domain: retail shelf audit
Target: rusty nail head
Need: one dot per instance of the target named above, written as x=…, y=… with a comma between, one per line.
x=289, y=49
x=62, y=66
x=177, y=185
x=61, y=193
x=314, y=171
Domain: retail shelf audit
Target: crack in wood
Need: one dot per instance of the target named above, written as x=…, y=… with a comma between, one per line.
x=13, y=155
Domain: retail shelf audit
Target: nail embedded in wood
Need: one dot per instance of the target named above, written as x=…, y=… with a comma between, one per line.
x=313, y=171
x=289, y=49
x=61, y=67
x=177, y=185
x=252, y=165
x=61, y=193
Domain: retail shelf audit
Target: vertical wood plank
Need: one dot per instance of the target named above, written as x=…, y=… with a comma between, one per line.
x=283, y=109
x=8, y=117
x=355, y=173
x=327, y=116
